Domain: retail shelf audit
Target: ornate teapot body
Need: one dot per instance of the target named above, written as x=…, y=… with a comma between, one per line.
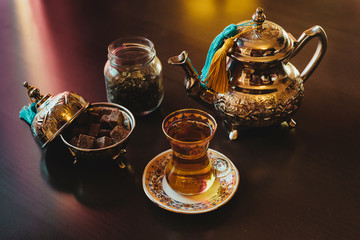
x=264, y=88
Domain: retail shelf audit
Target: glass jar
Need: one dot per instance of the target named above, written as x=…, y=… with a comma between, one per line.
x=133, y=75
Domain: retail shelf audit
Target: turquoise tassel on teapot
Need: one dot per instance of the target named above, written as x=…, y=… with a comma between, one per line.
x=217, y=43
x=214, y=74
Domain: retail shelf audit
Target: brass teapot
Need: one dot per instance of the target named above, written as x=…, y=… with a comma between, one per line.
x=264, y=88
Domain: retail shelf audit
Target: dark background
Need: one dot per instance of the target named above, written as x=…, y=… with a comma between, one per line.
x=295, y=184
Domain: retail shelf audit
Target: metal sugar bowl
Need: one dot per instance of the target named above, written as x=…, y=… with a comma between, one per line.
x=95, y=131
x=262, y=87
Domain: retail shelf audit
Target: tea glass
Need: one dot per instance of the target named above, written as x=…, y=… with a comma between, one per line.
x=189, y=131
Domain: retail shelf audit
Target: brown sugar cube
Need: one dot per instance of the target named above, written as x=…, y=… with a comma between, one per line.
x=105, y=121
x=94, y=129
x=106, y=110
x=104, y=142
x=119, y=133
x=104, y=132
x=116, y=117
x=86, y=141
x=94, y=117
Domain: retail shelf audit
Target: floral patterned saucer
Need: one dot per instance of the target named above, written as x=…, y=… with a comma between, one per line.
x=157, y=189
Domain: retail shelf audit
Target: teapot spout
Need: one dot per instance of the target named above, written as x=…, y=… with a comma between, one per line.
x=192, y=80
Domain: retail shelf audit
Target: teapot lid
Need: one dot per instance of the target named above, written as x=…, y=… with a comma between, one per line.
x=264, y=42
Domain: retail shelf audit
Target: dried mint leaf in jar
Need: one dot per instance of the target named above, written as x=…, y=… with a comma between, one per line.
x=139, y=94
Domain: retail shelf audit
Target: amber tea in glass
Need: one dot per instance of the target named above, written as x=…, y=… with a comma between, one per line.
x=189, y=170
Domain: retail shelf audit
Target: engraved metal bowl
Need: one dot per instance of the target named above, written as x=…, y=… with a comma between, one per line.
x=112, y=152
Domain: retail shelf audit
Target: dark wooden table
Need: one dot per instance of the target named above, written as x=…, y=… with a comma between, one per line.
x=295, y=184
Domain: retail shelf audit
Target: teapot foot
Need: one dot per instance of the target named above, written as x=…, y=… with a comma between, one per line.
x=231, y=129
x=291, y=123
x=233, y=134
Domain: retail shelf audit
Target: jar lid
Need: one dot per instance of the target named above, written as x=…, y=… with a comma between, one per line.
x=264, y=42
x=54, y=113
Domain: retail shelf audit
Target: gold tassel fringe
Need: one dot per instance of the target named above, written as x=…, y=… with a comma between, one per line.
x=217, y=79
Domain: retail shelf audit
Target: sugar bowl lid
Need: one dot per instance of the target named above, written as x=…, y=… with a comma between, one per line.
x=54, y=113
x=261, y=41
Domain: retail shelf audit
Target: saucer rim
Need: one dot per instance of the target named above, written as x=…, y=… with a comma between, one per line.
x=184, y=211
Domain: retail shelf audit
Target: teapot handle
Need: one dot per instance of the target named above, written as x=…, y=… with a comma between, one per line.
x=306, y=36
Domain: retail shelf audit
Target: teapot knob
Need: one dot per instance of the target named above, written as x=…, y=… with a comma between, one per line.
x=259, y=17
